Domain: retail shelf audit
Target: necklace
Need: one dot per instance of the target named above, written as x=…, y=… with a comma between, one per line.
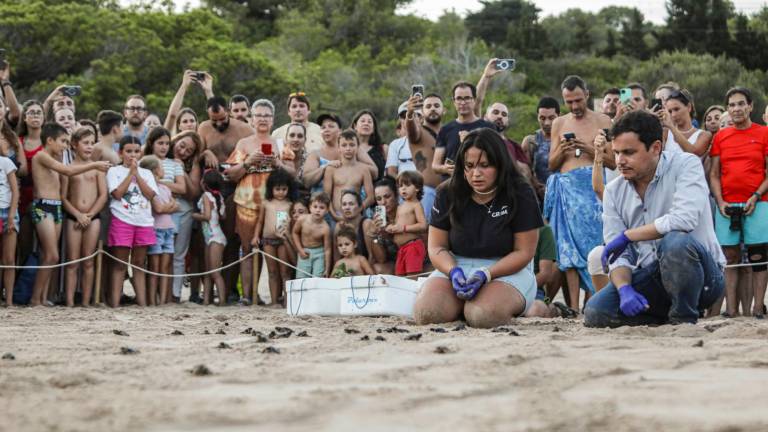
x=492, y=191
x=490, y=206
x=689, y=130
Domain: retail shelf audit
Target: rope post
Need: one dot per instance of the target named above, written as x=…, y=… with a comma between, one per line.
x=97, y=279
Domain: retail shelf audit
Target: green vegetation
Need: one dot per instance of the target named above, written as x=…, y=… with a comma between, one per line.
x=349, y=55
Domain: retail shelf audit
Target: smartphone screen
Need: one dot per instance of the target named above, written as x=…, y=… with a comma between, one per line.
x=266, y=148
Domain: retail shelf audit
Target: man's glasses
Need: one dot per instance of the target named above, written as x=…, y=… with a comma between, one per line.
x=135, y=108
x=461, y=99
x=264, y=116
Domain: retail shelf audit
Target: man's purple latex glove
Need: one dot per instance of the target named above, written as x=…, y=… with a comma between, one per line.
x=631, y=302
x=458, y=280
x=614, y=249
x=474, y=283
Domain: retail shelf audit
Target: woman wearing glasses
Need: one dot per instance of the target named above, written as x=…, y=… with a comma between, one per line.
x=482, y=239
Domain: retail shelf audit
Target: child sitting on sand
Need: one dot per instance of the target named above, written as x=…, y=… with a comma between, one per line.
x=84, y=197
x=410, y=224
x=312, y=237
x=350, y=263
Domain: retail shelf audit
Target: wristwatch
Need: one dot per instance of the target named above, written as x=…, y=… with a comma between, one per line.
x=5, y=83
x=759, y=197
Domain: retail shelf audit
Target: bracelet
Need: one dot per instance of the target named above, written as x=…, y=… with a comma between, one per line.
x=487, y=272
x=6, y=83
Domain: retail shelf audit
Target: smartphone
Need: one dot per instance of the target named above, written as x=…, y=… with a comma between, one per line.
x=656, y=105
x=381, y=213
x=417, y=90
x=625, y=95
x=281, y=219
x=608, y=136
x=199, y=75
x=223, y=167
x=266, y=148
x=71, y=91
x=449, y=161
x=505, y=64
x=569, y=136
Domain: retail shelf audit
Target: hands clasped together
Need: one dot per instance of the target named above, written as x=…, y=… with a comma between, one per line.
x=467, y=289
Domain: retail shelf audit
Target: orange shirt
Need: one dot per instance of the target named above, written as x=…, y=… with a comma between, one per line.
x=250, y=190
x=742, y=161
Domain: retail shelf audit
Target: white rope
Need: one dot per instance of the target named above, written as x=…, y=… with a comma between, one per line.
x=182, y=274
x=52, y=266
x=745, y=264
x=283, y=262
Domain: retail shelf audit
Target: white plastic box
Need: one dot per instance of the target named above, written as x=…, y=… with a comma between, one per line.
x=356, y=295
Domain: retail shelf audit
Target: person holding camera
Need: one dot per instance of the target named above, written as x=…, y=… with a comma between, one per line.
x=663, y=259
x=739, y=158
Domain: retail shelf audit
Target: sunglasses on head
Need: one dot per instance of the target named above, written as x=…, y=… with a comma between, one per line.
x=297, y=94
x=677, y=94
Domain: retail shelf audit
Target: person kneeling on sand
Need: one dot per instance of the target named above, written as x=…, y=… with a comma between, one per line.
x=482, y=239
x=668, y=270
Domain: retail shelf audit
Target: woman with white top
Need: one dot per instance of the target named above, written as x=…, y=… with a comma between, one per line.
x=681, y=135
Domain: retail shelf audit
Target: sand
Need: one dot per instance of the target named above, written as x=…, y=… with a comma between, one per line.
x=548, y=375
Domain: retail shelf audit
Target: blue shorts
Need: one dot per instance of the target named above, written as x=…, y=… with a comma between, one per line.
x=523, y=281
x=164, y=243
x=754, y=227
x=4, y=217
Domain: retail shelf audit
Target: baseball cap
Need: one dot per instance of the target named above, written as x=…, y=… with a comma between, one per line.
x=327, y=116
x=403, y=108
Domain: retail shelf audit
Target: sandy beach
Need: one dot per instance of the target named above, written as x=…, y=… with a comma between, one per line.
x=70, y=373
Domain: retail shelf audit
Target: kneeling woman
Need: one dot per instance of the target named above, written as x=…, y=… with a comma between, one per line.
x=482, y=239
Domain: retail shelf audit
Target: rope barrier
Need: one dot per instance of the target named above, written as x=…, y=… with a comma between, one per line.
x=205, y=273
x=52, y=266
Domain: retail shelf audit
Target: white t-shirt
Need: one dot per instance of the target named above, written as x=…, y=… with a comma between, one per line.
x=399, y=156
x=6, y=167
x=133, y=208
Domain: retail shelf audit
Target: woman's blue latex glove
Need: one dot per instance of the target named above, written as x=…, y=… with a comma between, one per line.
x=458, y=280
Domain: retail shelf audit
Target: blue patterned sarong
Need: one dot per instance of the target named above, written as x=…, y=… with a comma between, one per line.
x=574, y=213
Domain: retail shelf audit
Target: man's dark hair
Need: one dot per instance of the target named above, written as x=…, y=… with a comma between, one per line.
x=465, y=84
x=739, y=90
x=239, y=98
x=638, y=86
x=548, y=102
x=217, y=103
x=433, y=95
x=612, y=90
x=646, y=125
x=571, y=82
x=107, y=120
x=52, y=131
x=299, y=96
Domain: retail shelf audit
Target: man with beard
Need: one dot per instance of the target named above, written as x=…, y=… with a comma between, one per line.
x=239, y=106
x=537, y=146
x=498, y=115
x=298, y=111
x=135, y=112
x=611, y=102
x=220, y=136
x=452, y=134
x=415, y=151
x=570, y=205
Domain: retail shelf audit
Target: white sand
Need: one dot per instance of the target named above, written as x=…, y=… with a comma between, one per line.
x=556, y=375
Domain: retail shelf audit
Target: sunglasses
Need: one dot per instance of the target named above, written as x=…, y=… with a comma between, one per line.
x=297, y=94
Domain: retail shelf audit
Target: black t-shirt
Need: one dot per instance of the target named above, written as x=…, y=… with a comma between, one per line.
x=448, y=136
x=487, y=231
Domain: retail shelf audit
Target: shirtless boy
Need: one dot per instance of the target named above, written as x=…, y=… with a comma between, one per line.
x=351, y=175
x=570, y=205
x=46, y=209
x=82, y=204
x=312, y=237
x=110, y=127
x=410, y=224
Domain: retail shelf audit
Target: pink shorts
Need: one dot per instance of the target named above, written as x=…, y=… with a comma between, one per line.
x=122, y=234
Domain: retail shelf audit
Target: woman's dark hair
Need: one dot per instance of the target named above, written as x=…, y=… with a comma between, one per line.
x=21, y=128
x=128, y=139
x=280, y=177
x=155, y=134
x=212, y=180
x=375, y=140
x=387, y=181
x=185, y=110
x=508, y=178
x=354, y=193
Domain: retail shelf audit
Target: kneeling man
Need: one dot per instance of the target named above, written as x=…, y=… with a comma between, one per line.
x=665, y=264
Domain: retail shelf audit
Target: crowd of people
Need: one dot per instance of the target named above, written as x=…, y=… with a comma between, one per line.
x=634, y=204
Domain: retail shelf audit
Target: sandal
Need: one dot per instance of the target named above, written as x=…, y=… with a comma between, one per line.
x=244, y=301
x=565, y=311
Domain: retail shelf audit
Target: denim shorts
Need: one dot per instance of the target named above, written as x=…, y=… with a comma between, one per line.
x=164, y=244
x=523, y=281
x=4, y=217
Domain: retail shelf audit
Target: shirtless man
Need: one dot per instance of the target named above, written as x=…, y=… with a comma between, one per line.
x=47, y=212
x=351, y=175
x=219, y=136
x=570, y=205
x=421, y=134
x=111, y=131
x=250, y=165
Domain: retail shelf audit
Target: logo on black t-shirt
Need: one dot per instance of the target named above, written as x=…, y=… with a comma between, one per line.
x=502, y=212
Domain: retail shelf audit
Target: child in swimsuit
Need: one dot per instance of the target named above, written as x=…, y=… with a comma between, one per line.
x=211, y=206
x=350, y=263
